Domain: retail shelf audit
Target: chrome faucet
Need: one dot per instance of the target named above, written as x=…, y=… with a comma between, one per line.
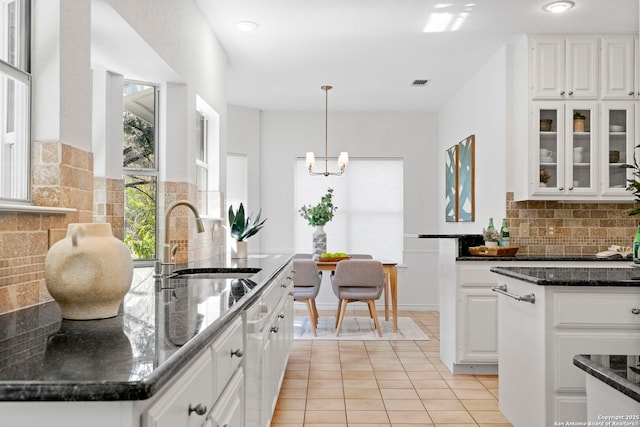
x=167, y=251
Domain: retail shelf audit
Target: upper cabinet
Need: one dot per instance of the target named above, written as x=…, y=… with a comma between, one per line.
x=564, y=68
x=584, y=97
x=619, y=71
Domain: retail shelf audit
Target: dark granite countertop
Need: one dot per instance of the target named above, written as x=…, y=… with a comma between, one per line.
x=553, y=258
x=622, y=372
x=163, y=323
x=573, y=276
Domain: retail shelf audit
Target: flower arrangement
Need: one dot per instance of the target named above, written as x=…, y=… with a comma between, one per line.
x=491, y=235
x=321, y=213
x=633, y=184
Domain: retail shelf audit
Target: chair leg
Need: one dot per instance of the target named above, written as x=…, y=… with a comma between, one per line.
x=338, y=311
x=343, y=310
x=315, y=310
x=312, y=318
x=372, y=309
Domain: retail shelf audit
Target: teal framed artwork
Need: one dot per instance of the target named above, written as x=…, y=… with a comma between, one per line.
x=451, y=184
x=466, y=184
x=460, y=181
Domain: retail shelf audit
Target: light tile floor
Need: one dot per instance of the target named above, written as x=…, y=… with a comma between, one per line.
x=383, y=384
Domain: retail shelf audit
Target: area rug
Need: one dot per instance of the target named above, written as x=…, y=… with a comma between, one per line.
x=357, y=328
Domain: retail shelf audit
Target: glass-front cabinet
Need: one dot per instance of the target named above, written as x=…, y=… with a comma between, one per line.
x=565, y=150
x=617, y=141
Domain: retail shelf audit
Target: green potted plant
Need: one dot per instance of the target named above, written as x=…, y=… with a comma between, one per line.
x=491, y=236
x=241, y=228
x=317, y=216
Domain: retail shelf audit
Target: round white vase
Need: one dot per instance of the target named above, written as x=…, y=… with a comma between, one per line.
x=88, y=272
x=491, y=244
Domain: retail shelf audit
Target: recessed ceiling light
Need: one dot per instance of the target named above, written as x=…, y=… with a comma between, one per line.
x=246, y=25
x=558, y=6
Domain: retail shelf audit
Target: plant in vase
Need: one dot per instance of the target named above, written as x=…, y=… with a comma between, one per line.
x=318, y=216
x=241, y=228
x=633, y=185
x=491, y=236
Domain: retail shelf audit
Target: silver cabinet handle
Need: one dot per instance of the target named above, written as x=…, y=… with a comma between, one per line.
x=570, y=93
x=281, y=316
x=631, y=93
x=290, y=294
x=502, y=289
x=237, y=352
x=275, y=329
x=200, y=409
x=635, y=310
x=562, y=93
x=560, y=188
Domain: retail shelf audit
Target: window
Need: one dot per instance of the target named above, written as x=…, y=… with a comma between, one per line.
x=202, y=162
x=15, y=87
x=140, y=117
x=369, y=197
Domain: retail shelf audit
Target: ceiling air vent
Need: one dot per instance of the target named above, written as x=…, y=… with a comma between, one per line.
x=419, y=83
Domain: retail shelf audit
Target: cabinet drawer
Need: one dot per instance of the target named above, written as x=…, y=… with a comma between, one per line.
x=597, y=310
x=228, y=351
x=192, y=389
x=281, y=286
x=477, y=276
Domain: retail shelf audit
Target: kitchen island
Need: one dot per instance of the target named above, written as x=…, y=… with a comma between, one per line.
x=547, y=315
x=170, y=329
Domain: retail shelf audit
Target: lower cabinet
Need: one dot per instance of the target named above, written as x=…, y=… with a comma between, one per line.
x=269, y=338
x=539, y=385
x=187, y=401
x=229, y=409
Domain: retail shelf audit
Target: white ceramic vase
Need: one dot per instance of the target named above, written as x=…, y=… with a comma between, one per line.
x=491, y=244
x=319, y=241
x=239, y=249
x=88, y=272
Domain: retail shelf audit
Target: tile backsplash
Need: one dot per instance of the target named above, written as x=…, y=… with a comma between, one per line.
x=567, y=228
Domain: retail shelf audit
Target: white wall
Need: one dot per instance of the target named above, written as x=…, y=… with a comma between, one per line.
x=479, y=108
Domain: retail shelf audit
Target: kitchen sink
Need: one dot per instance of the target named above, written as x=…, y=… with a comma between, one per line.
x=214, y=273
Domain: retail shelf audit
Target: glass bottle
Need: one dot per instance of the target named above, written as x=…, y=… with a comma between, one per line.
x=490, y=226
x=636, y=246
x=504, y=234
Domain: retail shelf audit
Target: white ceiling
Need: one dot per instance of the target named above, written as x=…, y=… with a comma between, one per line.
x=371, y=50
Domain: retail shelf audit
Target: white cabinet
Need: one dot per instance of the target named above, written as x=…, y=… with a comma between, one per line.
x=269, y=338
x=564, y=67
x=617, y=146
x=186, y=402
x=539, y=384
x=619, y=70
x=564, y=149
x=228, y=351
x=229, y=410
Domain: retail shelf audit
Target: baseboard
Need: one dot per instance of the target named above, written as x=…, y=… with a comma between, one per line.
x=477, y=369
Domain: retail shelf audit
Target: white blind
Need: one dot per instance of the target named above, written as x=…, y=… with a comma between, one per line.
x=369, y=198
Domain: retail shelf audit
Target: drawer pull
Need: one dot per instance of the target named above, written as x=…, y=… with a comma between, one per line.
x=502, y=289
x=290, y=294
x=237, y=352
x=200, y=409
x=275, y=329
x=281, y=316
x=635, y=310
x=284, y=285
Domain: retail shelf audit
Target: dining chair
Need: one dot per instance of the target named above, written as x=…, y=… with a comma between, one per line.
x=358, y=280
x=306, y=284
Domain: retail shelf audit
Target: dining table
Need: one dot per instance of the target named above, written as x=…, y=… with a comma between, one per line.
x=390, y=285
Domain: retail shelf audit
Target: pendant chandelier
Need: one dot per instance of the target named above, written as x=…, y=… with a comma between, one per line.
x=343, y=159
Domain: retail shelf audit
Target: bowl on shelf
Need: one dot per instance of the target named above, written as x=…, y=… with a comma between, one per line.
x=616, y=128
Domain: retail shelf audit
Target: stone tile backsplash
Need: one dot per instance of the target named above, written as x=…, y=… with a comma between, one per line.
x=564, y=228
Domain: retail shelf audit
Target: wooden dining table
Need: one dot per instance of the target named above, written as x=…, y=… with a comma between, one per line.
x=390, y=286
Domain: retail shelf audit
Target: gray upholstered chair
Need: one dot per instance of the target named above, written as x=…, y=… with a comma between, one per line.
x=358, y=280
x=306, y=284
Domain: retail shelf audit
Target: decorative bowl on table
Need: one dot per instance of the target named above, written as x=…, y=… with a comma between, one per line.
x=334, y=257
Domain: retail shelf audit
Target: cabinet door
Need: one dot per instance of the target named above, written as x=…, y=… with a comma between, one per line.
x=479, y=334
x=581, y=149
x=548, y=71
x=581, y=68
x=618, y=145
x=228, y=410
x=618, y=63
x=547, y=148
x=187, y=401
